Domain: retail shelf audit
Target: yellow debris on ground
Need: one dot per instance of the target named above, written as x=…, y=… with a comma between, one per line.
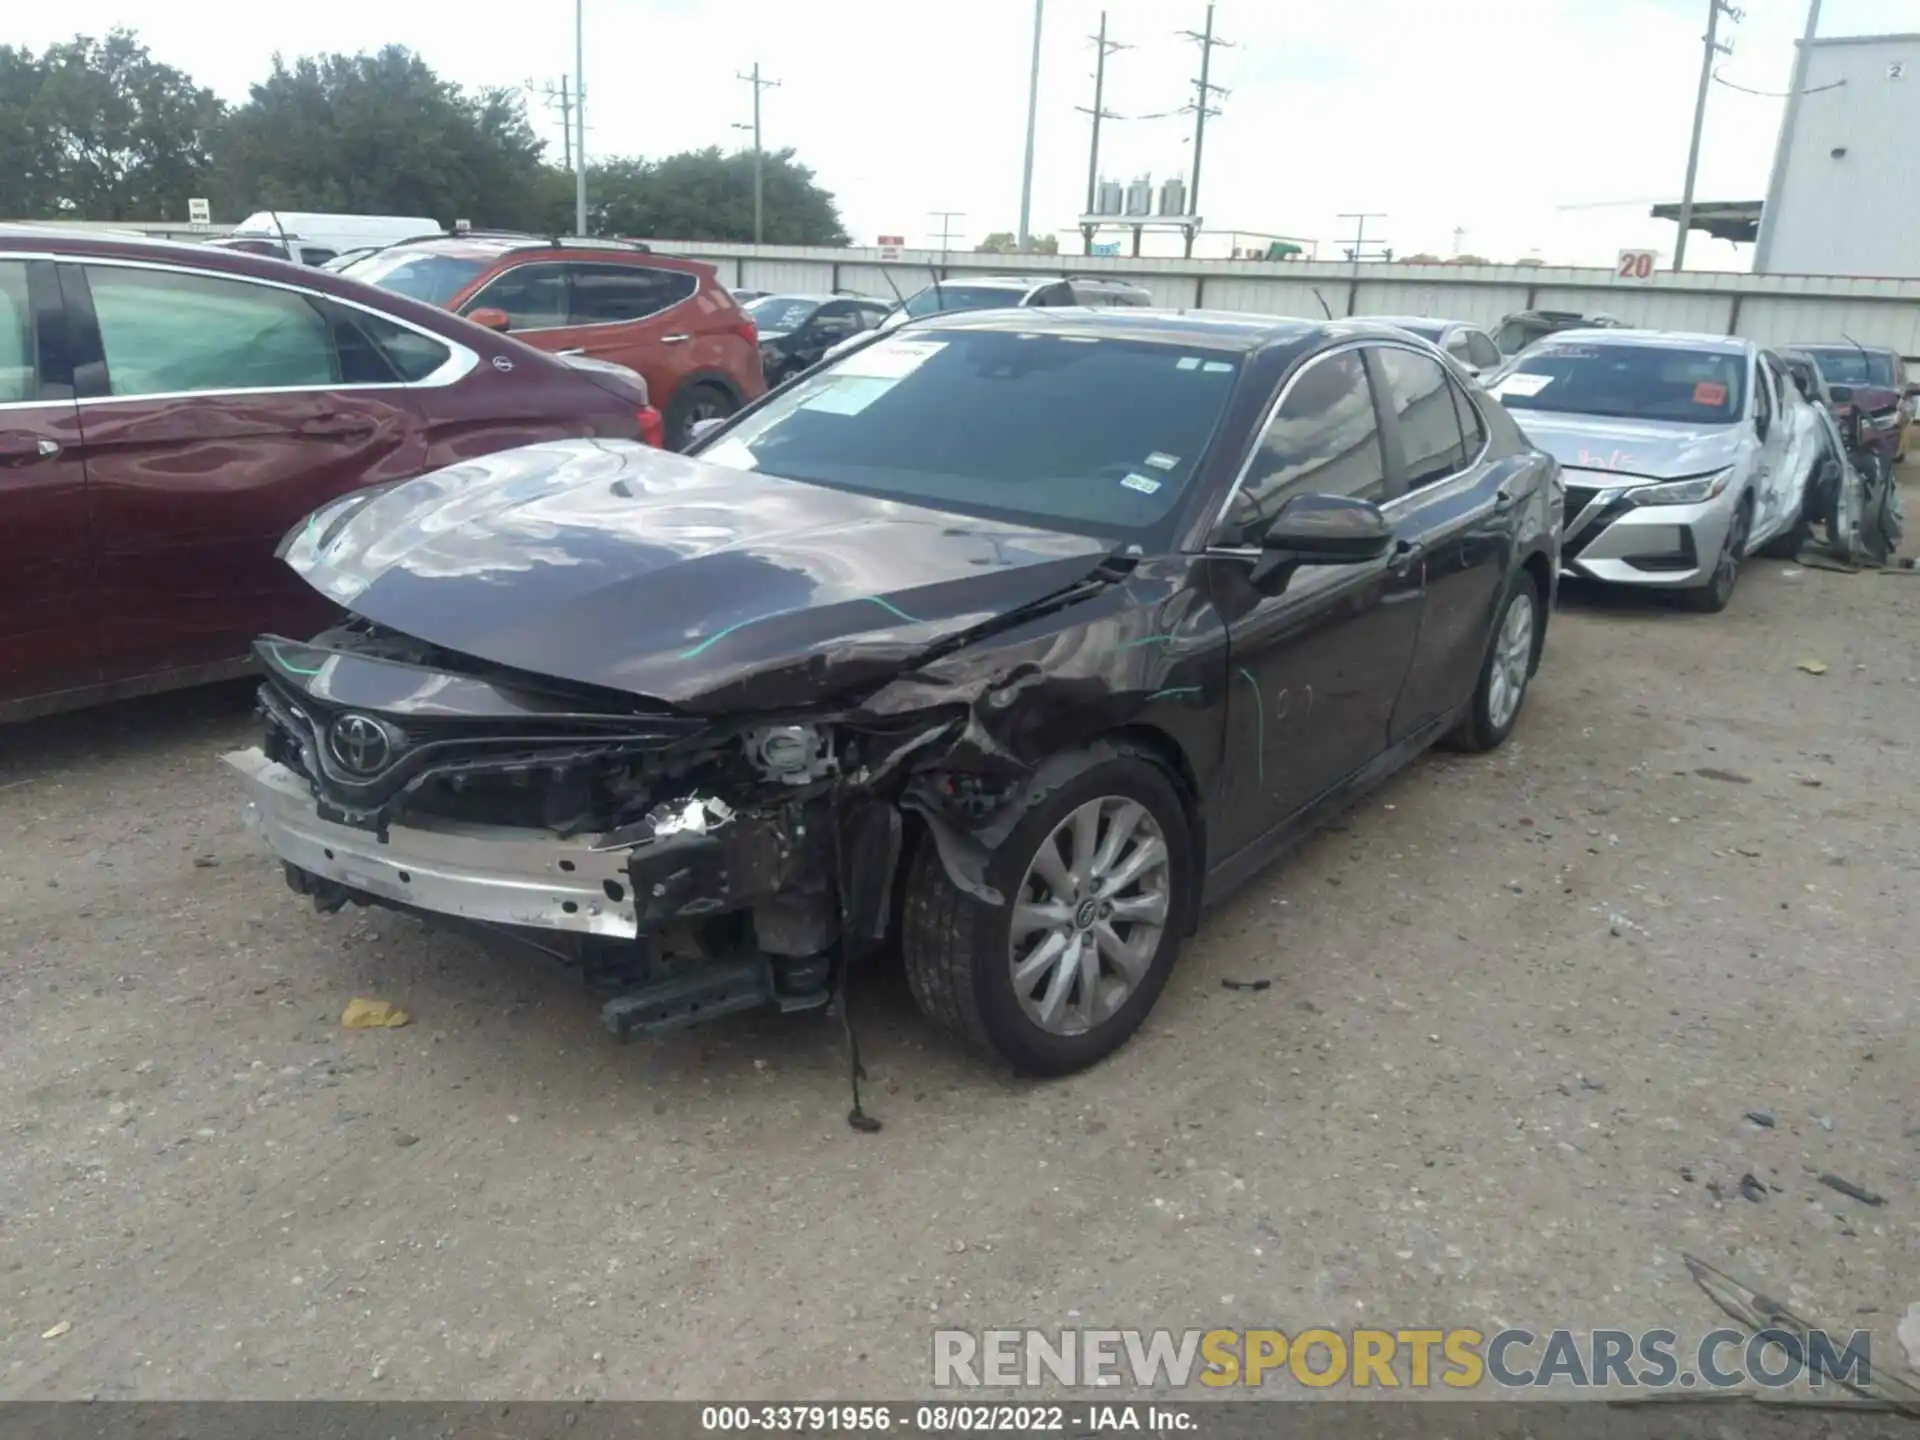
x=372, y=1015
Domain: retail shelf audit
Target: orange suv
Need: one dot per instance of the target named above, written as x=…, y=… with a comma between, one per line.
x=616, y=300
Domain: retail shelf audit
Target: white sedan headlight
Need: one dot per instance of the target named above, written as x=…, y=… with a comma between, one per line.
x=1682, y=492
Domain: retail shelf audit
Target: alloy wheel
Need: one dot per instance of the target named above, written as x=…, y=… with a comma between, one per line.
x=1512, y=657
x=1089, y=915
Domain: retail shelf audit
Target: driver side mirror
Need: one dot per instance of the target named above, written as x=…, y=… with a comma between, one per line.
x=1320, y=530
x=1842, y=394
x=491, y=319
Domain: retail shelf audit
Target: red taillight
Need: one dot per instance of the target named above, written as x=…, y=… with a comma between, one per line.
x=748, y=331
x=653, y=429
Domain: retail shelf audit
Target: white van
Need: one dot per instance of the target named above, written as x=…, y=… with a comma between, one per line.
x=313, y=238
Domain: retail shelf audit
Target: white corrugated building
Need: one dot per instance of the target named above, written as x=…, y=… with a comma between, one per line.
x=1842, y=200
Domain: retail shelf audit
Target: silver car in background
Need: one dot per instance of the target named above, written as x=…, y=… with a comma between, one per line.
x=1468, y=346
x=1682, y=454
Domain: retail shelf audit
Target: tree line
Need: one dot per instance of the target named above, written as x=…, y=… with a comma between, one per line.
x=98, y=129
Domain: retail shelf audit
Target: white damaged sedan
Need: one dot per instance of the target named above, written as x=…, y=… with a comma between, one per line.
x=1682, y=454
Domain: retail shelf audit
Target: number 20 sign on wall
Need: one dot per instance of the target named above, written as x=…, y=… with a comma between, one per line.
x=1636, y=264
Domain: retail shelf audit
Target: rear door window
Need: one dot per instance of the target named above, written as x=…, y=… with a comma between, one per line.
x=19, y=379
x=374, y=350
x=533, y=297
x=170, y=332
x=1323, y=440
x=1420, y=397
x=619, y=294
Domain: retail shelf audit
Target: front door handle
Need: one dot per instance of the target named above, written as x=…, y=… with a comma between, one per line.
x=674, y=339
x=17, y=448
x=1504, y=500
x=1407, y=554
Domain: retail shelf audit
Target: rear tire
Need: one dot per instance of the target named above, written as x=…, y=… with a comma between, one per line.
x=980, y=972
x=1505, y=673
x=702, y=401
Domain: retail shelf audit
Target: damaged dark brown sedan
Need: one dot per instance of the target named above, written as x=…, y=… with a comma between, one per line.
x=1011, y=643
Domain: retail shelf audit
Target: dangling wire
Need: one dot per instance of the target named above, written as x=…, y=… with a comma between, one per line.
x=1775, y=94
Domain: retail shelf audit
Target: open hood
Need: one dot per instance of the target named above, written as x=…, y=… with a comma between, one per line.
x=617, y=565
x=1649, y=449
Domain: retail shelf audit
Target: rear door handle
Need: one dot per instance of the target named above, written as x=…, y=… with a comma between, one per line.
x=674, y=339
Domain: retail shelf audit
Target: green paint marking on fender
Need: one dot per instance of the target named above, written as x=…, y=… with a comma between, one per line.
x=1259, y=727
x=719, y=635
x=286, y=664
x=1174, y=690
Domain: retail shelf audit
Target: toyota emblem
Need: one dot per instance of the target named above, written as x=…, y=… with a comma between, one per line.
x=360, y=744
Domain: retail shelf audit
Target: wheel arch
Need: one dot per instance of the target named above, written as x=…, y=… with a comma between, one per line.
x=1540, y=566
x=1162, y=749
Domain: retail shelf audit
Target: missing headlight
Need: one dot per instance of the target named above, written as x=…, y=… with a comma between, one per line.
x=790, y=754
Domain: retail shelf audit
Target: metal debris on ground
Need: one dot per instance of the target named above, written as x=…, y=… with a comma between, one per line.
x=54, y=1332
x=1761, y=1118
x=372, y=1015
x=1732, y=777
x=1848, y=1188
x=1245, y=984
x=1752, y=1189
x=1760, y=1313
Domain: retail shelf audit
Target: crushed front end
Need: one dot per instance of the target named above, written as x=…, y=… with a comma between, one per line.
x=687, y=866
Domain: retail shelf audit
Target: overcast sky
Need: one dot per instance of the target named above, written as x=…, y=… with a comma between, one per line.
x=1518, y=122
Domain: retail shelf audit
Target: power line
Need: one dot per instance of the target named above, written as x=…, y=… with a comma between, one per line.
x=1359, y=250
x=580, y=116
x=758, y=85
x=559, y=97
x=1103, y=47
x=1711, y=47
x=946, y=232
x=1203, y=92
x=1024, y=240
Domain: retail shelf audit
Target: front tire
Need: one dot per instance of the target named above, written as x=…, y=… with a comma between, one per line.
x=1714, y=596
x=1097, y=876
x=1504, y=674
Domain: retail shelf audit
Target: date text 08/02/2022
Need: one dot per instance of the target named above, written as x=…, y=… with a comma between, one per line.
x=945, y=1419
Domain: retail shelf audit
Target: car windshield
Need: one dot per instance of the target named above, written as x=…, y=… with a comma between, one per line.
x=1844, y=365
x=1635, y=382
x=1093, y=436
x=1515, y=335
x=946, y=299
x=418, y=274
x=782, y=312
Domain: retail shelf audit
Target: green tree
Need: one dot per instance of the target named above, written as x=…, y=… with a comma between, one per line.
x=382, y=134
x=708, y=195
x=100, y=130
x=1005, y=242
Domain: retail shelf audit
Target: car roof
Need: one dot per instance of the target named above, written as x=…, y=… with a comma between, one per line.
x=1811, y=345
x=1417, y=322
x=220, y=260
x=1665, y=339
x=1208, y=329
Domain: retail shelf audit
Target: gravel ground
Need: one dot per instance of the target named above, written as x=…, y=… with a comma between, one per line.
x=1521, y=1006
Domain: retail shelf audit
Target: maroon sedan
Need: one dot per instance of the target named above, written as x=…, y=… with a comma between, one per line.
x=168, y=412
